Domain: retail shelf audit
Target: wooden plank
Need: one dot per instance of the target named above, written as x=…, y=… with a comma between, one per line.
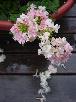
x=72, y=11
x=24, y=89
x=68, y=22
x=68, y=25
x=23, y=63
x=28, y=63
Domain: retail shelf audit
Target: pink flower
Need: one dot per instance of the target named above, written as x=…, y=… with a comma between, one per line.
x=58, y=50
x=42, y=14
x=42, y=25
x=68, y=48
x=31, y=14
x=18, y=37
x=14, y=29
x=62, y=50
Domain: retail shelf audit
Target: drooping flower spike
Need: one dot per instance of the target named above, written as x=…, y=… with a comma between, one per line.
x=37, y=24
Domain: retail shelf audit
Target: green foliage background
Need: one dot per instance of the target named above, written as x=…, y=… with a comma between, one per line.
x=10, y=10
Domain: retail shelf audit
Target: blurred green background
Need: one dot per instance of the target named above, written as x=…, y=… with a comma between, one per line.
x=10, y=10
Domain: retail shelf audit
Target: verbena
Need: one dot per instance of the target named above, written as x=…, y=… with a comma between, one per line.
x=10, y=10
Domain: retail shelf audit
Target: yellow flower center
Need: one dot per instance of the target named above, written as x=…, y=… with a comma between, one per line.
x=23, y=28
x=38, y=20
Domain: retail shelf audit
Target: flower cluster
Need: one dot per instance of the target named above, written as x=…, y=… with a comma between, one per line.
x=33, y=24
x=57, y=50
x=37, y=24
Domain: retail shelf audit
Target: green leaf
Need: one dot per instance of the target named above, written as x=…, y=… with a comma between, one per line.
x=13, y=17
x=23, y=8
x=9, y=9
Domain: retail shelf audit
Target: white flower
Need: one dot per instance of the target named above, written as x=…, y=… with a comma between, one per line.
x=46, y=48
x=24, y=34
x=56, y=27
x=64, y=40
x=61, y=50
x=52, y=69
x=43, y=78
x=39, y=51
x=19, y=20
x=49, y=22
x=2, y=58
x=43, y=8
x=46, y=13
x=53, y=41
x=32, y=6
x=1, y=50
x=46, y=34
x=47, y=74
x=47, y=89
x=23, y=16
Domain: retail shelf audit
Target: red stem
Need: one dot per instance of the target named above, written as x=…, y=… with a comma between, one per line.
x=6, y=25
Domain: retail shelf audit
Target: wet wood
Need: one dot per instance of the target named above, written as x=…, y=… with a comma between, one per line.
x=28, y=63
x=24, y=89
x=70, y=25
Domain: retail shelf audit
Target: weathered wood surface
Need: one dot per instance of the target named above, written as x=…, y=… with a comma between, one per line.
x=28, y=63
x=72, y=12
x=70, y=25
x=69, y=20
x=24, y=89
x=25, y=59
